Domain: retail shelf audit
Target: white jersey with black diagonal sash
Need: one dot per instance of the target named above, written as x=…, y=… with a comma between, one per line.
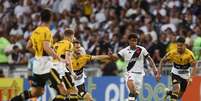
x=127, y=54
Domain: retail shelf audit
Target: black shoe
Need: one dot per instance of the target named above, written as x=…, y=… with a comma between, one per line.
x=17, y=98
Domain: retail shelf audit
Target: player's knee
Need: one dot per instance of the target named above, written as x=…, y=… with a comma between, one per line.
x=88, y=97
x=176, y=88
x=175, y=92
x=61, y=89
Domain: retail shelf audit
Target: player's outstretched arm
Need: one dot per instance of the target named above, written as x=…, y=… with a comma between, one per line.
x=29, y=47
x=100, y=57
x=68, y=56
x=163, y=61
x=153, y=66
x=194, y=68
x=49, y=50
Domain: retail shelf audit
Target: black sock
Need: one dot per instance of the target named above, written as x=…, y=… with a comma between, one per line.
x=174, y=96
x=169, y=93
x=26, y=94
x=17, y=98
x=73, y=97
x=132, y=96
x=23, y=96
x=59, y=98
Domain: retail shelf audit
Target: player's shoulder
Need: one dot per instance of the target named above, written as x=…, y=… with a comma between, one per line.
x=66, y=42
x=138, y=46
x=125, y=48
x=173, y=51
x=42, y=28
x=188, y=51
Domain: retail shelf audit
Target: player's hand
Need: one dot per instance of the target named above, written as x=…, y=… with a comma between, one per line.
x=109, y=52
x=190, y=80
x=158, y=76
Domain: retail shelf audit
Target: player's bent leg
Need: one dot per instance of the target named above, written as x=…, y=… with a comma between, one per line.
x=35, y=92
x=69, y=84
x=57, y=82
x=83, y=93
x=37, y=88
x=175, y=91
x=88, y=97
x=183, y=86
x=133, y=90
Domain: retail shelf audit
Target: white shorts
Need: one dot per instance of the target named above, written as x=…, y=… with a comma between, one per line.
x=80, y=80
x=60, y=67
x=41, y=65
x=183, y=73
x=137, y=79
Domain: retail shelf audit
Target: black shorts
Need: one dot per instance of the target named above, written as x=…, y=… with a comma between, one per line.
x=40, y=80
x=183, y=82
x=81, y=87
x=81, y=90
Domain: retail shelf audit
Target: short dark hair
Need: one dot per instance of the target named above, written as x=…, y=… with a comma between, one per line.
x=68, y=32
x=132, y=36
x=76, y=41
x=181, y=40
x=45, y=15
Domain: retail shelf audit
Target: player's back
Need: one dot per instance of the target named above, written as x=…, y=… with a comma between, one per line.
x=62, y=46
x=39, y=35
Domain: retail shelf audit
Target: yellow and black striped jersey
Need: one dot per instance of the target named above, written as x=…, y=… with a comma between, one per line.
x=181, y=61
x=62, y=46
x=80, y=62
x=38, y=36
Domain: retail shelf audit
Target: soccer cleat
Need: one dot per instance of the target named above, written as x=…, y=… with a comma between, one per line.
x=131, y=99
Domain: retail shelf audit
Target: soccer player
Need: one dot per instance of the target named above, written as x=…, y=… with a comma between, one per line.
x=182, y=58
x=40, y=45
x=61, y=71
x=79, y=61
x=134, y=55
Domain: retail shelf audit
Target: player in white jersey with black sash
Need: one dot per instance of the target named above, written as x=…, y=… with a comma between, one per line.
x=134, y=55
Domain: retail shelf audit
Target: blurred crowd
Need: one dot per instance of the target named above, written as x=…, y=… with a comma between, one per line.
x=102, y=25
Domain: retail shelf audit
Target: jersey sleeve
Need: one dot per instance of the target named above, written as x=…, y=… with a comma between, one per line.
x=87, y=57
x=192, y=57
x=121, y=53
x=169, y=56
x=144, y=52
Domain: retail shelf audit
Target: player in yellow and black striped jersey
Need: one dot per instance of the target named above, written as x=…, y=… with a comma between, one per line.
x=182, y=59
x=40, y=45
x=79, y=61
x=63, y=72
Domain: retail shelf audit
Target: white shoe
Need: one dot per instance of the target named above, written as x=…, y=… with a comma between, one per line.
x=131, y=99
